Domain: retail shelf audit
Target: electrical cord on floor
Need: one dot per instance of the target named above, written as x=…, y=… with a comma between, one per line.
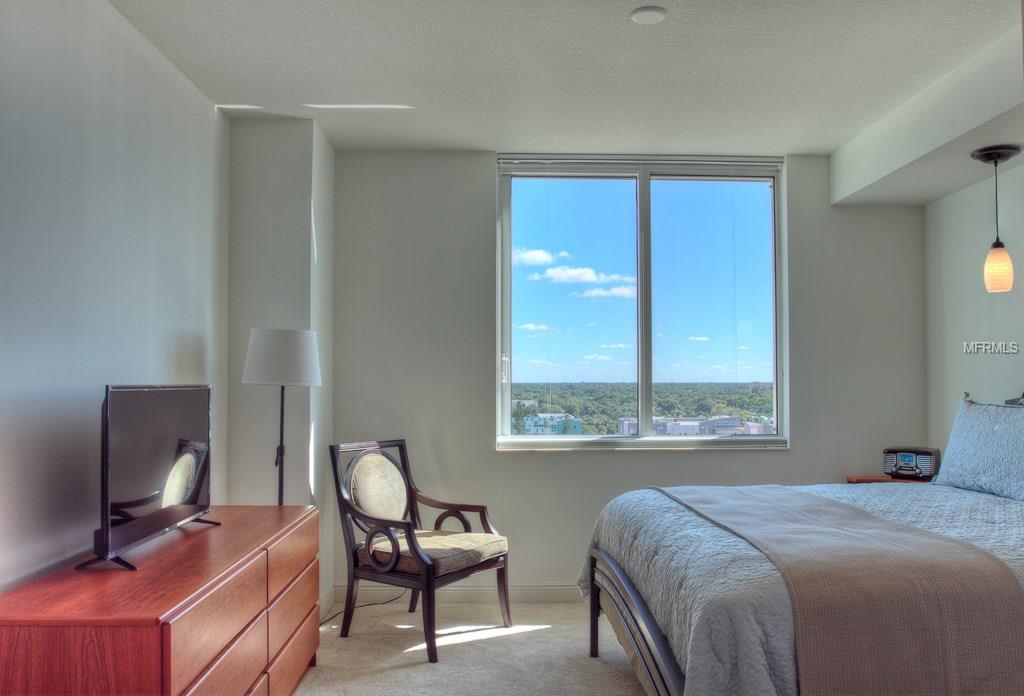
x=360, y=606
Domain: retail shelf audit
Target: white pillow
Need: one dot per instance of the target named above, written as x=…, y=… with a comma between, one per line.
x=985, y=451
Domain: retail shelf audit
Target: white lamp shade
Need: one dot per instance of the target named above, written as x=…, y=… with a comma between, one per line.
x=287, y=357
x=998, y=270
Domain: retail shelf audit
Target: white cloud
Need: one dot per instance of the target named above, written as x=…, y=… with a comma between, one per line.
x=532, y=257
x=535, y=276
x=699, y=339
x=626, y=291
x=530, y=326
x=615, y=346
x=743, y=347
x=563, y=255
x=596, y=356
x=568, y=274
x=582, y=274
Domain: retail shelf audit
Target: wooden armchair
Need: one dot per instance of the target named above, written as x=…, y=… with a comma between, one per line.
x=378, y=500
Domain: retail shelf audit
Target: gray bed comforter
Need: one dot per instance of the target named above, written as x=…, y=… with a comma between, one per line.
x=723, y=606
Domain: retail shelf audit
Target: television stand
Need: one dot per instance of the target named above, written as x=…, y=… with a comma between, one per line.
x=125, y=564
x=99, y=559
x=203, y=520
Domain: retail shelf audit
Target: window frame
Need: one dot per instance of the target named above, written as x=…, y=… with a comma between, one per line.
x=642, y=169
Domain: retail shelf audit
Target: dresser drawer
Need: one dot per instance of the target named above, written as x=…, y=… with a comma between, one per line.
x=80, y=660
x=261, y=687
x=240, y=664
x=193, y=638
x=288, y=555
x=288, y=667
x=288, y=610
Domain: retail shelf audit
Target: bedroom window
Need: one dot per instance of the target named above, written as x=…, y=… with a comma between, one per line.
x=638, y=303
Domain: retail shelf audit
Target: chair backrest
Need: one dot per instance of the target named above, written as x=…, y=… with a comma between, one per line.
x=377, y=485
x=373, y=482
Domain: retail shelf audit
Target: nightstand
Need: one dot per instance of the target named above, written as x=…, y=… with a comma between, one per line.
x=881, y=478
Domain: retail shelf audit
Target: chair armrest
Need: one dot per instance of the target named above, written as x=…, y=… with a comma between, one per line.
x=455, y=510
x=380, y=525
x=370, y=521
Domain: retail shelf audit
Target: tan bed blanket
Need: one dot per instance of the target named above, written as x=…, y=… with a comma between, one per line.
x=878, y=607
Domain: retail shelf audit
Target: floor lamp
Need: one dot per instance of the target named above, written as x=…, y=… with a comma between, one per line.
x=286, y=358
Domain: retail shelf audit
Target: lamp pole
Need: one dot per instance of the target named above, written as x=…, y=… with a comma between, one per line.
x=279, y=463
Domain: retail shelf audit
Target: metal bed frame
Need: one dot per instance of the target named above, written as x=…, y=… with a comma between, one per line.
x=612, y=590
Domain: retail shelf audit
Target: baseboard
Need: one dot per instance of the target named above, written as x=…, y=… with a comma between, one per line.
x=470, y=594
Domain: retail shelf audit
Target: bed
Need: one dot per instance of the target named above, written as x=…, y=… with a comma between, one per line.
x=700, y=610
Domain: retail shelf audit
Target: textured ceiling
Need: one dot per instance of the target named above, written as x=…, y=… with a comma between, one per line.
x=717, y=76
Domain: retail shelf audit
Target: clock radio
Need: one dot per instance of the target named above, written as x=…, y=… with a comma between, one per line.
x=910, y=462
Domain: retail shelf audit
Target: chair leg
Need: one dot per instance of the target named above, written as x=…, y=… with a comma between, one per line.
x=429, y=622
x=413, y=601
x=350, y=605
x=506, y=611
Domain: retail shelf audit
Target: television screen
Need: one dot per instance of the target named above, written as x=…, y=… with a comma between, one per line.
x=156, y=462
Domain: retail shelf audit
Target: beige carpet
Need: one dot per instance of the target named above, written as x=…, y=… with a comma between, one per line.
x=544, y=653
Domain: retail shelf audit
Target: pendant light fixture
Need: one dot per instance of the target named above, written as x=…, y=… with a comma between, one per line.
x=998, y=264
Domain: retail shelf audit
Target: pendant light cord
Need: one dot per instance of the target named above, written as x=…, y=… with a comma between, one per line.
x=996, y=164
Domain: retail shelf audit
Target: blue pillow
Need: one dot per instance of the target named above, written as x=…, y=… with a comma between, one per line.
x=985, y=451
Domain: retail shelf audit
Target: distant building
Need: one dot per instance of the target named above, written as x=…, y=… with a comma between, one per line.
x=689, y=426
x=552, y=424
x=722, y=425
x=677, y=427
x=693, y=426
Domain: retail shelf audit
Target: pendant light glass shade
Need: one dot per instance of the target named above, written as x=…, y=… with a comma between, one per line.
x=998, y=269
x=998, y=264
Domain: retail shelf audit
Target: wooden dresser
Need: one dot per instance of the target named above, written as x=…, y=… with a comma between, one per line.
x=212, y=610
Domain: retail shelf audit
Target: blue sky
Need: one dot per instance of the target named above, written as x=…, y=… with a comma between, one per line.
x=574, y=270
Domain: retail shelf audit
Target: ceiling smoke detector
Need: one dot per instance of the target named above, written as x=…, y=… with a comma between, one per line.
x=648, y=14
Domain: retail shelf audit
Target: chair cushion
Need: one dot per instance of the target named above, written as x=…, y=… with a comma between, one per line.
x=450, y=551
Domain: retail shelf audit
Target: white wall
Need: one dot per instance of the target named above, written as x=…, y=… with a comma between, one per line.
x=112, y=262
x=960, y=228
x=414, y=352
x=282, y=250
x=271, y=219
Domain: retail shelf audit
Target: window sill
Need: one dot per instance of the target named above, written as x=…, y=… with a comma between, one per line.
x=707, y=444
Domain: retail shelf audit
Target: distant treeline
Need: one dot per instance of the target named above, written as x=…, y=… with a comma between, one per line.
x=601, y=404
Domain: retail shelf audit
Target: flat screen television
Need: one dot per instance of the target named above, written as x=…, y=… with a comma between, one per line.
x=155, y=464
